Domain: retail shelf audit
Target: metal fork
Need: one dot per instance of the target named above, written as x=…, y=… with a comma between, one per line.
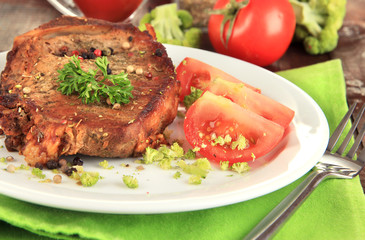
x=331, y=165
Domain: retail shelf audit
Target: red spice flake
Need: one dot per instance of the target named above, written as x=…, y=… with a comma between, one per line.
x=130, y=54
x=155, y=78
x=148, y=75
x=97, y=52
x=75, y=52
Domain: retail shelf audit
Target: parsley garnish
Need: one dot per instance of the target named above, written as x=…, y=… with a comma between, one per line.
x=73, y=79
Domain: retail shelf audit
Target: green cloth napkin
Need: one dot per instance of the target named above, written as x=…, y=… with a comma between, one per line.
x=335, y=210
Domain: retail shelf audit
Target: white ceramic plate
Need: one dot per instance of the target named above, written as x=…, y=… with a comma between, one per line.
x=158, y=192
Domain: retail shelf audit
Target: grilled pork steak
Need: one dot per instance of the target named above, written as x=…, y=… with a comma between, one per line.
x=43, y=124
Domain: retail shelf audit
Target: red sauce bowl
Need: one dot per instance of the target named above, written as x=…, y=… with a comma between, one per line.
x=110, y=10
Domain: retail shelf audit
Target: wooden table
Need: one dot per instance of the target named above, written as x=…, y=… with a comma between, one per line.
x=19, y=16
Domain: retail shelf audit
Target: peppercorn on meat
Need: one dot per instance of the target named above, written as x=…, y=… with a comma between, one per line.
x=42, y=123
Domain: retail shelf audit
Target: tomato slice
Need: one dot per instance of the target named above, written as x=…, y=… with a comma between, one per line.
x=253, y=101
x=224, y=131
x=194, y=73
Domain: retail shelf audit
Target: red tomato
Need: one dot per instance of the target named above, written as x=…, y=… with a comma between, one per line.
x=261, y=32
x=194, y=73
x=253, y=101
x=111, y=10
x=213, y=117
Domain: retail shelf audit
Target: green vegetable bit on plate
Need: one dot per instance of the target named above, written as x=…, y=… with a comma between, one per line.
x=89, y=179
x=105, y=164
x=192, y=97
x=38, y=173
x=130, y=181
x=241, y=167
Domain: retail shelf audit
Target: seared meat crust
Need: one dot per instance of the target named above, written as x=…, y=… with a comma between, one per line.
x=43, y=124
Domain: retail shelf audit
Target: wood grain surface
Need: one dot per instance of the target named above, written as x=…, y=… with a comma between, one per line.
x=20, y=16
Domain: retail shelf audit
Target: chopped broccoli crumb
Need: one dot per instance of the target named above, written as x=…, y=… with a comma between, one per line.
x=195, y=93
x=190, y=154
x=124, y=165
x=218, y=141
x=165, y=163
x=152, y=155
x=75, y=175
x=178, y=151
x=177, y=175
x=195, y=179
x=241, y=167
x=167, y=152
x=23, y=167
x=241, y=143
x=38, y=173
x=224, y=165
x=203, y=163
x=89, y=179
x=105, y=164
x=130, y=181
x=196, y=149
x=199, y=168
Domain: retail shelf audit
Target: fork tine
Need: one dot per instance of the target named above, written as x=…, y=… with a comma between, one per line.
x=337, y=133
x=349, y=135
x=357, y=142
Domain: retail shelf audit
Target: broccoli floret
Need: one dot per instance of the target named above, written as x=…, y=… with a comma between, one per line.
x=145, y=19
x=317, y=23
x=172, y=26
x=130, y=181
x=89, y=179
x=171, y=41
x=192, y=37
x=186, y=18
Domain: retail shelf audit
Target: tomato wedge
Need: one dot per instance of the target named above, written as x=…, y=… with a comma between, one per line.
x=253, y=101
x=224, y=131
x=194, y=73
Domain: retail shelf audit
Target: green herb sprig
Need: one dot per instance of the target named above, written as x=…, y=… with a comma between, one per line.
x=73, y=79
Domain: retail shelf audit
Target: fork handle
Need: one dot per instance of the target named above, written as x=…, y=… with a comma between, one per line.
x=271, y=223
